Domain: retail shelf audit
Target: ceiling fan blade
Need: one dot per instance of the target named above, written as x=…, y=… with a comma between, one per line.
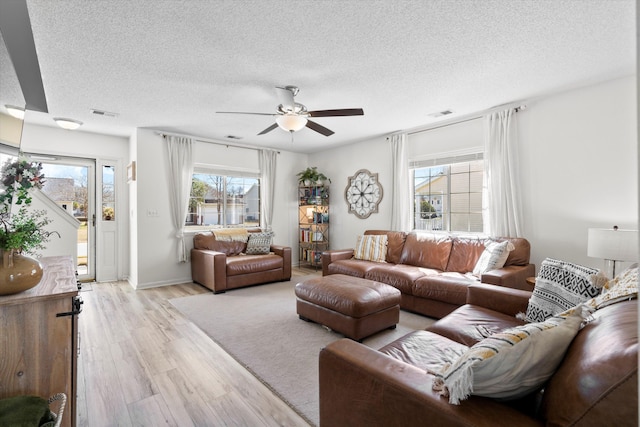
x=286, y=98
x=335, y=113
x=241, y=112
x=319, y=128
x=269, y=129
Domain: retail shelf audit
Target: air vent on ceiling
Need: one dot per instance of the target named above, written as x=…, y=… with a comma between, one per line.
x=233, y=137
x=103, y=113
x=441, y=113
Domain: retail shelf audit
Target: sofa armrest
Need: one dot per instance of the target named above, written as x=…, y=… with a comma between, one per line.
x=512, y=276
x=498, y=298
x=285, y=253
x=334, y=255
x=360, y=386
x=209, y=268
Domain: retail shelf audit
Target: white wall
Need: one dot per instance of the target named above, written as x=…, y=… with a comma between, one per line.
x=578, y=163
x=154, y=243
x=579, y=168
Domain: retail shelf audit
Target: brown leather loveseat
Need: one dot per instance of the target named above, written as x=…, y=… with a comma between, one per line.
x=596, y=383
x=431, y=269
x=223, y=265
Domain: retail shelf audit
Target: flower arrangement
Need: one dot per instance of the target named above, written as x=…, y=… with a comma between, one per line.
x=21, y=230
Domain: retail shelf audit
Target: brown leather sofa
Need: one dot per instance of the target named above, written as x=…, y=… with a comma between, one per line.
x=595, y=385
x=221, y=266
x=429, y=269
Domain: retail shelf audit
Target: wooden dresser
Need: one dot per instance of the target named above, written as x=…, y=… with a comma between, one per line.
x=39, y=337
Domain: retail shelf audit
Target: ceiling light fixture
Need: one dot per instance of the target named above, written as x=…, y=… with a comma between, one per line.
x=17, y=112
x=68, y=124
x=291, y=122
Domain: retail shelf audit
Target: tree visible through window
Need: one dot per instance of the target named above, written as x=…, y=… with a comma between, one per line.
x=223, y=200
x=449, y=197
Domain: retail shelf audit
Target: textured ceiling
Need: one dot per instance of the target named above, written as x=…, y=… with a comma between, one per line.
x=170, y=65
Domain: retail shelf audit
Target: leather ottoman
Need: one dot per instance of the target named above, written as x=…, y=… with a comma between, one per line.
x=350, y=305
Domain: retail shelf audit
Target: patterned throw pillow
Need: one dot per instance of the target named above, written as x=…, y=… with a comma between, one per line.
x=623, y=287
x=494, y=256
x=259, y=243
x=511, y=363
x=371, y=248
x=560, y=285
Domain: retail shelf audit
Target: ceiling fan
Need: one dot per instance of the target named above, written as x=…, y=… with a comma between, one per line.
x=293, y=116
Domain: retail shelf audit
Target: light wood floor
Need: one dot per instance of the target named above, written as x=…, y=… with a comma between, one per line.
x=142, y=363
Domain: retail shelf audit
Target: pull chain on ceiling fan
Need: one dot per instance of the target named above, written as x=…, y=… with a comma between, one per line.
x=292, y=116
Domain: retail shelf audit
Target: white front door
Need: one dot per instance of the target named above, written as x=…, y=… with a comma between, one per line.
x=107, y=220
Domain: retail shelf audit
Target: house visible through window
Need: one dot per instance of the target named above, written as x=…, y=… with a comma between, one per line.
x=224, y=200
x=448, y=195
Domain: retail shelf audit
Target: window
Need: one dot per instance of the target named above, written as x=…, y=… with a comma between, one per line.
x=448, y=196
x=224, y=200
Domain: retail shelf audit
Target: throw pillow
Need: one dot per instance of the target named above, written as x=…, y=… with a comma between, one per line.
x=559, y=286
x=371, y=248
x=259, y=243
x=494, y=256
x=231, y=234
x=623, y=287
x=512, y=363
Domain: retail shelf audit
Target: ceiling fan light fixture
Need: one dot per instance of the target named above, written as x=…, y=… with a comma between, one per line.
x=291, y=122
x=17, y=112
x=68, y=124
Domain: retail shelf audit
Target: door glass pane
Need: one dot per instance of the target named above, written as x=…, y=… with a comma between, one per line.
x=67, y=185
x=108, y=194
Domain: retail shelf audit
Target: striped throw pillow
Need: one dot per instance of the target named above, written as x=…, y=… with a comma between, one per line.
x=371, y=248
x=259, y=243
x=511, y=363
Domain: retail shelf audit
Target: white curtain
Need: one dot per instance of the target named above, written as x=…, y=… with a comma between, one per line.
x=267, y=164
x=180, y=174
x=501, y=175
x=400, y=196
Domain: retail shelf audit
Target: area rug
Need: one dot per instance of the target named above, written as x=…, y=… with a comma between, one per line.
x=258, y=326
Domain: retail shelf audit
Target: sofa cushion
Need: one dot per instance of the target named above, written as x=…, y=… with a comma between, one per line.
x=399, y=276
x=559, y=286
x=351, y=267
x=371, y=248
x=469, y=324
x=395, y=243
x=494, y=256
x=521, y=254
x=447, y=287
x=429, y=250
x=465, y=254
x=511, y=363
x=424, y=350
x=259, y=243
x=209, y=242
x=246, y=264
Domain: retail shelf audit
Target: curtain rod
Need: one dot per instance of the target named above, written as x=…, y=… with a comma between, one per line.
x=211, y=141
x=517, y=109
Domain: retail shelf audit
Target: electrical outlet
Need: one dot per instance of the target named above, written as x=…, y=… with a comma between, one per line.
x=152, y=212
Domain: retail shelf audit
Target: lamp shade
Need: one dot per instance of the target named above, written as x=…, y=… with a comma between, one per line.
x=613, y=244
x=291, y=122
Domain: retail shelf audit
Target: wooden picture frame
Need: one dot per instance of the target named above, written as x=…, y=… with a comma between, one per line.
x=131, y=172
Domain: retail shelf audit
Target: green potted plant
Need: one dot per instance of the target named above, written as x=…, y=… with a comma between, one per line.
x=311, y=176
x=21, y=230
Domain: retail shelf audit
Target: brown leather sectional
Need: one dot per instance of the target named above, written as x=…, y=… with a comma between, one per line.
x=595, y=385
x=221, y=266
x=429, y=268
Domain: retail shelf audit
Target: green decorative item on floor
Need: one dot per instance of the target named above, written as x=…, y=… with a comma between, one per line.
x=21, y=230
